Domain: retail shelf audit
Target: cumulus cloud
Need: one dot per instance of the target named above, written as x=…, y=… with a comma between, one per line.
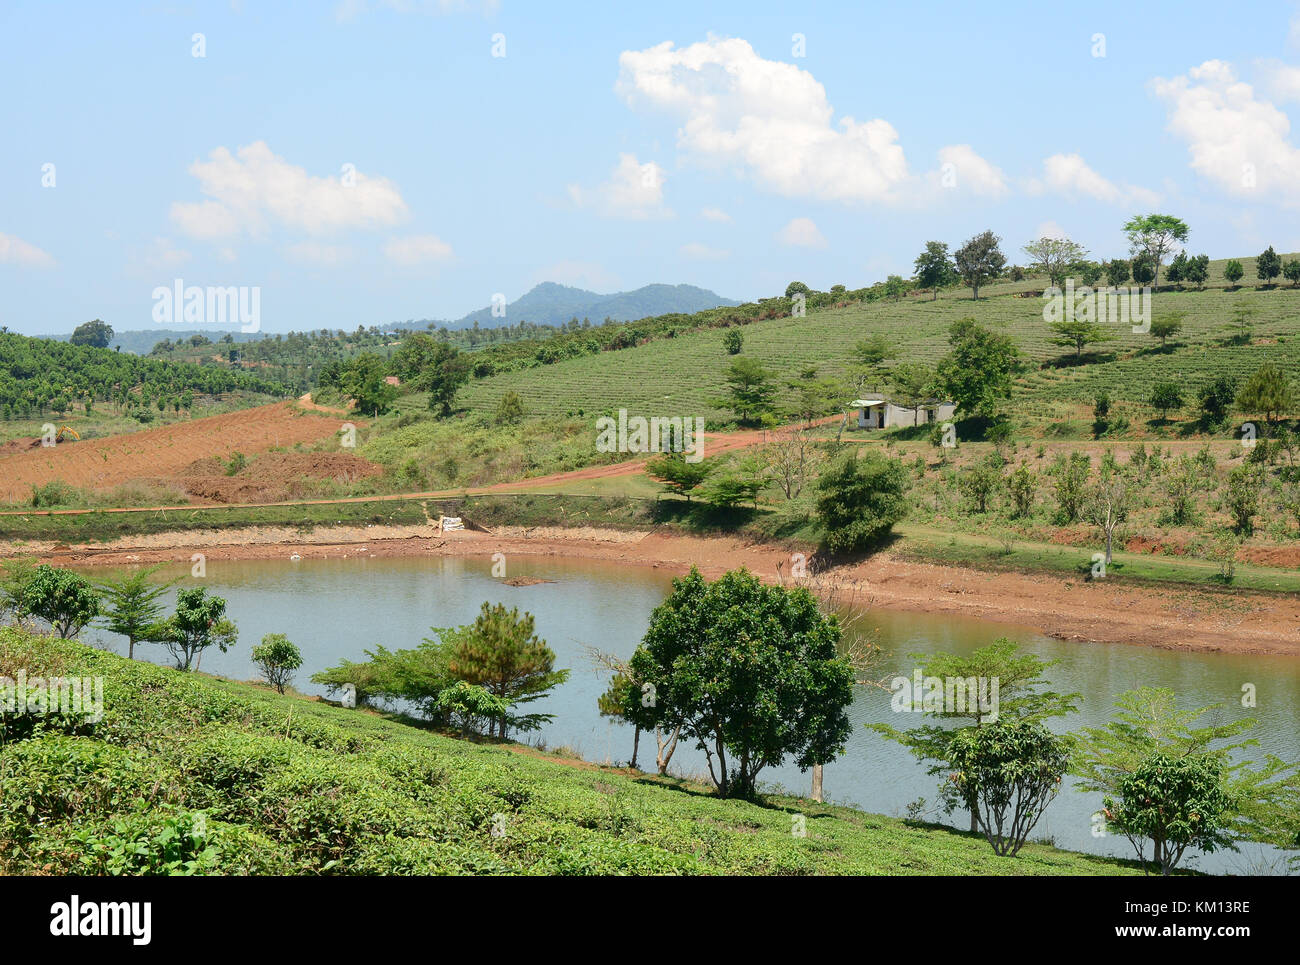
x=417, y=250
x=801, y=233
x=960, y=167
x=703, y=252
x=254, y=189
x=715, y=214
x=1281, y=80
x=634, y=190
x=773, y=121
x=1235, y=140
x=1071, y=176
x=15, y=251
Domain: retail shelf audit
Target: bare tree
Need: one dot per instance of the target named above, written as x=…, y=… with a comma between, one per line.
x=1108, y=505
x=665, y=740
x=790, y=456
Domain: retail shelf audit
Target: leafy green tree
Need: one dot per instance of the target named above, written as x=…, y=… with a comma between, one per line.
x=365, y=382
x=979, y=482
x=1117, y=270
x=97, y=333
x=1007, y=773
x=1055, y=258
x=1143, y=268
x=199, y=623
x=934, y=268
x=428, y=365
x=913, y=382
x=733, y=340
x=501, y=653
x=1021, y=695
x=750, y=391
x=1177, y=268
x=1291, y=271
x=1167, y=327
x=510, y=409
x=979, y=370
x=1155, y=235
x=469, y=708
x=678, y=475
x=65, y=600
x=1076, y=333
x=132, y=607
x=277, y=658
x=1069, y=484
x=1089, y=272
x=1166, y=396
x=1268, y=265
x=1241, y=498
x=795, y=288
x=1268, y=390
x=750, y=672
x=1197, y=270
x=895, y=287
x=1260, y=800
x=860, y=498
x=1233, y=271
x=1022, y=485
x=979, y=261
x=1108, y=504
x=873, y=350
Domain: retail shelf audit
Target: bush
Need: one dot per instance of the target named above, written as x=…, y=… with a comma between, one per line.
x=277, y=658
x=860, y=499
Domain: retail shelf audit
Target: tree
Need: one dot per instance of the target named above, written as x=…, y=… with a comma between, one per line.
x=913, y=382
x=979, y=482
x=1006, y=774
x=1076, y=333
x=677, y=474
x=198, y=623
x=1176, y=802
x=1143, y=267
x=1177, y=268
x=97, y=333
x=1019, y=679
x=510, y=409
x=1021, y=486
x=1117, y=270
x=1216, y=398
x=132, y=606
x=895, y=287
x=1197, y=270
x=1241, y=498
x=1120, y=761
x=873, y=350
x=1167, y=327
x=860, y=498
x=1108, y=505
x=277, y=658
x=65, y=600
x=751, y=393
x=980, y=260
x=795, y=288
x=934, y=268
x=1233, y=271
x=733, y=340
x=1054, y=257
x=428, y=365
x=1291, y=271
x=1166, y=396
x=750, y=672
x=1155, y=235
x=1069, y=484
x=1268, y=265
x=501, y=653
x=1268, y=390
x=790, y=457
x=364, y=381
x=979, y=370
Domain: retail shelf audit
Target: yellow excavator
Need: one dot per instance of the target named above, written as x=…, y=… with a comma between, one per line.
x=66, y=432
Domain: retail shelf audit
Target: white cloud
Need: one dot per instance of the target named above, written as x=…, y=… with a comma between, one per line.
x=715, y=214
x=417, y=250
x=254, y=189
x=315, y=253
x=15, y=251
x=1071, y=176
x=634, y=190
x=1282, y=80
x=773, y=121
x=1236, y=141
x=801, y=233
x=703, y=252
x=965, y=169
x=581, y=274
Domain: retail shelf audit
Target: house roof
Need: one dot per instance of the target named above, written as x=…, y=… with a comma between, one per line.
x=867, y=403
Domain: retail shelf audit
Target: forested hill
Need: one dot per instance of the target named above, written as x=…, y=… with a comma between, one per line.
x=39, y=375
x=552, y=304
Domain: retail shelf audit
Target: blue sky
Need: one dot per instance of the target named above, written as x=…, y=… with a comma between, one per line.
x=611, y=146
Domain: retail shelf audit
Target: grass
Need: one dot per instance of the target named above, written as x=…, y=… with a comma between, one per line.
x=191, y=774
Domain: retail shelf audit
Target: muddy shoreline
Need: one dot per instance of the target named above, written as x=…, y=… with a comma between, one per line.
x=1171, y=618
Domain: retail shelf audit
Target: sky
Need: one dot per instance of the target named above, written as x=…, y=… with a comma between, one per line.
x=363, y=162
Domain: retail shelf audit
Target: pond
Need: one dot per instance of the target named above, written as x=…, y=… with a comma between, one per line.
x=336, y=609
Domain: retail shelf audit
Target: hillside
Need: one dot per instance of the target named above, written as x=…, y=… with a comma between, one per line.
x=683, y=375
x=235, y=779
x=553, y=304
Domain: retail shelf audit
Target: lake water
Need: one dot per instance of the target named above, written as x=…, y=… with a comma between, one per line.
x=336, y=609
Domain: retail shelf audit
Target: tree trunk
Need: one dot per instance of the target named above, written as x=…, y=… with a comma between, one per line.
x=636, y=746
x=817, y=783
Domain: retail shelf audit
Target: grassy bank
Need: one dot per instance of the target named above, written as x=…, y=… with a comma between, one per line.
x=190, y=773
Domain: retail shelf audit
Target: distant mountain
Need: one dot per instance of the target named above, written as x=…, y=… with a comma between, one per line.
x=553, y=304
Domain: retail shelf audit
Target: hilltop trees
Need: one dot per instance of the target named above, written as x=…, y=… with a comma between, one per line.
x=934, y=268
x=1055, y=257
x=97, y=333
x=979, y=261
x=1268, y=265
x=1076, y=333
x=1233, y=271
x=1268, y=391
x=749, y=672
x=1155, y=235
x=1165, y=396
x=429, y=365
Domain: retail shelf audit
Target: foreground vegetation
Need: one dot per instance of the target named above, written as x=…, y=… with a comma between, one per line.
x=187, y=774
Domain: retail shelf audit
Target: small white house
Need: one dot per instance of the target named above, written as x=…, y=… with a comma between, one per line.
x=883, y=414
